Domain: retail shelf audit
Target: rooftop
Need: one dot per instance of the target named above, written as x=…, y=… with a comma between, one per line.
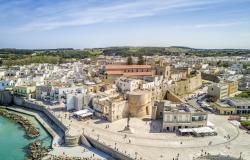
x=240, y=101
x=117, y=67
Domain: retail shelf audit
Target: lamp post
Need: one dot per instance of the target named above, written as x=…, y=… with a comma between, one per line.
x=136, y=155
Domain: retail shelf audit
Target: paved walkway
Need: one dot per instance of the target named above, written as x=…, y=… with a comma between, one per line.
x=148, y=143
x=58, y=149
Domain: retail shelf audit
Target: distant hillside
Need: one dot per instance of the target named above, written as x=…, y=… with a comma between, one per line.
x=173, y=50
x=179, y=49
x=12, y=54
x=9, y=57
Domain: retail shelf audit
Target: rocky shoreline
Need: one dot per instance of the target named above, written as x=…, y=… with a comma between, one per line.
x=30, y=130
x=70, y=158
x=35, y=151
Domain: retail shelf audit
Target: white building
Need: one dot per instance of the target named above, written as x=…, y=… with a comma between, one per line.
x=6, y=84
x=127, y=84
x=57, y=93
x=218, y=90
x=74, y=101
x=151, y=82
x=237, y=67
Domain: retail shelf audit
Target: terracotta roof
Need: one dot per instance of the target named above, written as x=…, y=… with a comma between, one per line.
x=137, y=73
x=114, y=72
x=127, y=67
x=129, y=73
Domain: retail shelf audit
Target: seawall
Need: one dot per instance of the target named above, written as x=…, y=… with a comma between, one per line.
x=107, y=149
x=69, y=140
x=19, y=101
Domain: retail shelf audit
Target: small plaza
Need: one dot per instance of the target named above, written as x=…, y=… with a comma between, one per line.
x=147, y=140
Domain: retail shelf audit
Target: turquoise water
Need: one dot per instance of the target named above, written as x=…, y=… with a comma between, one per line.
x=12, y=140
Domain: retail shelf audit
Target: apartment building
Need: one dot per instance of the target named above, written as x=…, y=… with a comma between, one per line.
x=177, y=116
x=110, y=108
x=218, y=90
x=232, y=87
x=242, y=105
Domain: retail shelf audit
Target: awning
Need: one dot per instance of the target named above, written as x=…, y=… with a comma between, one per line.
x=186, y=130
x=197, y=130
x=83, y=113
x=203, y=130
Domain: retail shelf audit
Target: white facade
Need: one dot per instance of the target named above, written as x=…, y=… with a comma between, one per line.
x=6, y=84
x=219, y=91
x=237, y=67
x=74, y=101
x=152, y=82
x=127, y=85
x=58, y=92
x=176, y=76
x=69, y=103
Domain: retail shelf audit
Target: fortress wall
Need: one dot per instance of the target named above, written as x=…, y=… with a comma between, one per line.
x=68, y=139
x=19, y=101
x=186, y=86
x=116, y=154
x=140, y=103
x=6, y=98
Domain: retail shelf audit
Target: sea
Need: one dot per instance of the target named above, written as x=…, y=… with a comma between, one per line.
x=13, y=140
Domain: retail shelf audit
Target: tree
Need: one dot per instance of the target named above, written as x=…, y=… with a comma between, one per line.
x=245, y=66
x=140, y=60
x=129, y=61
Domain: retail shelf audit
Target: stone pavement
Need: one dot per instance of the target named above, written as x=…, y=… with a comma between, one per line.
x=148, y=143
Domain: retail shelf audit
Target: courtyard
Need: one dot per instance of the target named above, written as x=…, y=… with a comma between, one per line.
x=148, y=142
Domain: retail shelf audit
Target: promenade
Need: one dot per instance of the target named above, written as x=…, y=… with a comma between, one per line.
x=148, y=143
x=57, y=134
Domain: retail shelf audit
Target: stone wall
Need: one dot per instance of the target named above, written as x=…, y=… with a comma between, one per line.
x=173, y=97
x=71, y=141
x=139, y=103
x=19, y=101
x=6, y=98
x=186, y=86
x=107, y=149
x=210, y=77
x=68, y=139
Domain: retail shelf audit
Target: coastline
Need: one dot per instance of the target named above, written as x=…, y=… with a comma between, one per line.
x=31, y=131
x=58, y=150
x=44, y=138
x=56, y=137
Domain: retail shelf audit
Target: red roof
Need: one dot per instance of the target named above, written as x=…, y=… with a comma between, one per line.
x=129, y=73
x=137, y=73
x=114, y=72
x=118, y=67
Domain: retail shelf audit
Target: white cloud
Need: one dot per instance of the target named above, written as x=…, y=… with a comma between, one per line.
x=216, y=25
x=75, y=13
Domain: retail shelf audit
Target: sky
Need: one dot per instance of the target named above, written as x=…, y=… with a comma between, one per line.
x=103, y=23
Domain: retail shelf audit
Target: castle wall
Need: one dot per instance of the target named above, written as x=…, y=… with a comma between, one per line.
x=140, y=103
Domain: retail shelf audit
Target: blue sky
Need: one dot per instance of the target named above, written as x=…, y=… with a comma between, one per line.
x=102, y=23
